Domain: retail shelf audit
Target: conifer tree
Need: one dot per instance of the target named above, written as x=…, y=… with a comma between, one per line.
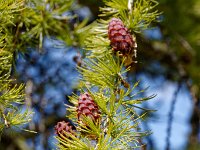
x=104, y=114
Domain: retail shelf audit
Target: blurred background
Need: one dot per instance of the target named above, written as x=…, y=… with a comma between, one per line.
x=168, y=56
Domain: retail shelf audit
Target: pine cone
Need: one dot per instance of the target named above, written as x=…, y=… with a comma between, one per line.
x=62, y=127
x=120, y=38
x=87, y=107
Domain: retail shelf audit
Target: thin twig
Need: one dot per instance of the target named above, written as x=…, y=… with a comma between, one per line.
x=171, y=117
x=123, y=81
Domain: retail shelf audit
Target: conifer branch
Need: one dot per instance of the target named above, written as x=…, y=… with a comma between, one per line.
x=103, y=80
x=24, y=24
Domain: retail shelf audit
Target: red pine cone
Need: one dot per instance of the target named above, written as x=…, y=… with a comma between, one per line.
x=62, y=127
x=121, y=39
x=87, y=107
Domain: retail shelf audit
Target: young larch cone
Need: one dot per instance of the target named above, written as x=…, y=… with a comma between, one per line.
x=87, y=107
x=120, y=38
x=62, y=127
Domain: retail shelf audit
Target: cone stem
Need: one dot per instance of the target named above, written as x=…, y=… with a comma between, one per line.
x=130, y=5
